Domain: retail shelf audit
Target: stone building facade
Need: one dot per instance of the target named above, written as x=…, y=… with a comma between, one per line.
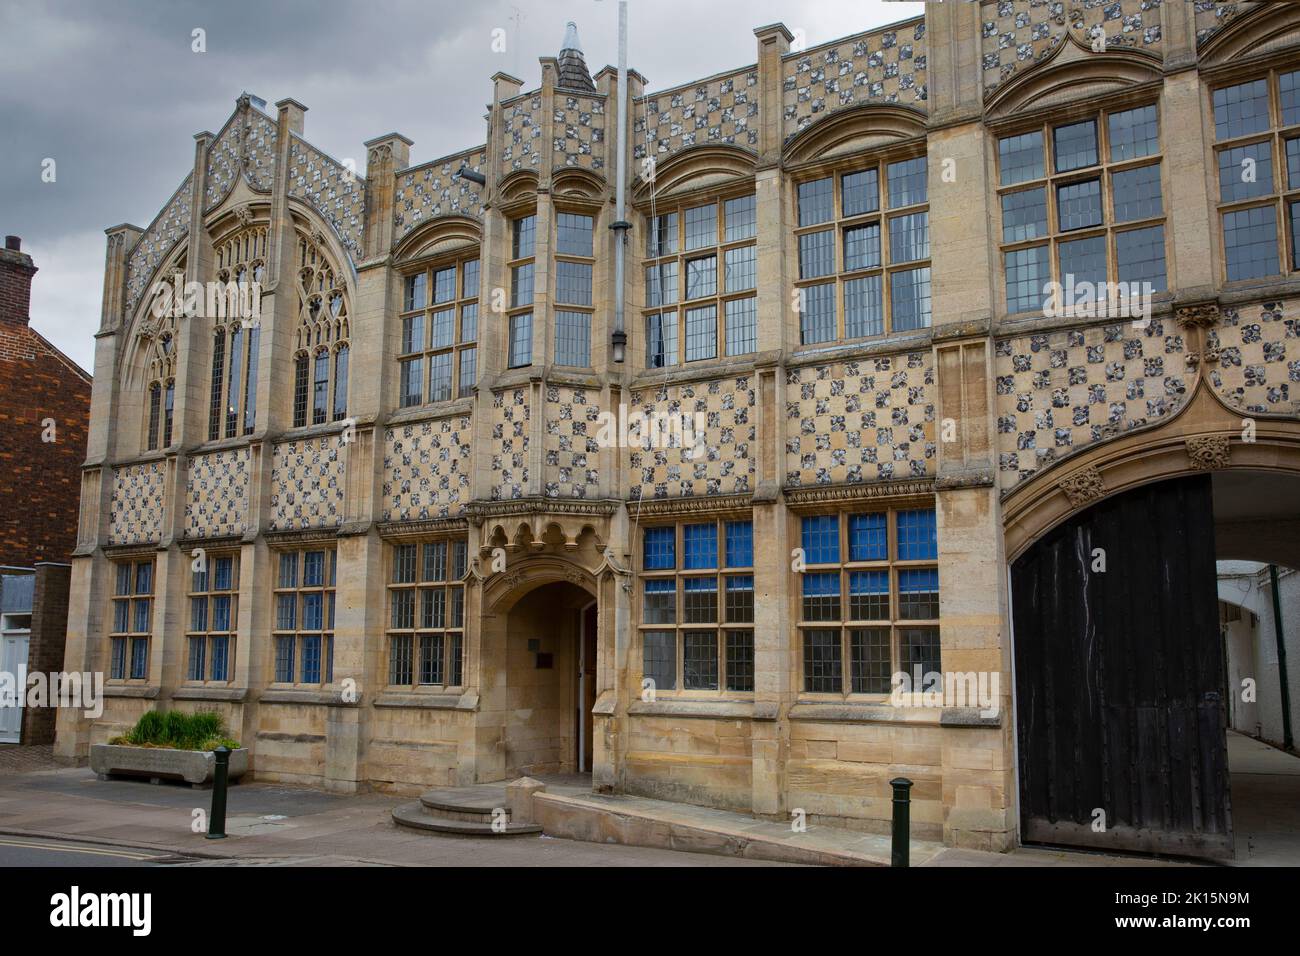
x=428, y=564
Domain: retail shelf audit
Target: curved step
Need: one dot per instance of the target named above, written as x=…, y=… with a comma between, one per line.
x=457, y=804
x=412, y=815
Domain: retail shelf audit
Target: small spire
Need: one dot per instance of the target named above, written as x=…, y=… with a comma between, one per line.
x=571, y=38
x=572, y=65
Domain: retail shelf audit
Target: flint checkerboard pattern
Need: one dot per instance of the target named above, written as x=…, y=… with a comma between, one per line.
x=888, y=67
x=307, y=484
x=523, y=130
x=1258, y=367
x=1212, y=15
x=849, y=422
x=511, y=416
x=723, y=110
x=337, y=192
x=246, y=143
x=1061, y=391
x=427, y=469
x=216, y=503
x=572, y=454
x=1016, y=37
x=426, y=192
x=137, y=503
x=171, y=226
x=578, y=128
x=721, y=463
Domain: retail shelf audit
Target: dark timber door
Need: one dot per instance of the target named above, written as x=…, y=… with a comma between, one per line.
x=1119, y=677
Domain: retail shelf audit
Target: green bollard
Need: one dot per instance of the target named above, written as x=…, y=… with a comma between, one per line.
x=220, y=779
x=902, y=822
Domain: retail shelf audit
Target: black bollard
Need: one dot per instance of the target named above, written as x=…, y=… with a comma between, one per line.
x=902, y=823
x=220, y=778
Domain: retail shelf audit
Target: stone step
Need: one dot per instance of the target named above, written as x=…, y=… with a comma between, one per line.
x=415, y=816
x=471, y=804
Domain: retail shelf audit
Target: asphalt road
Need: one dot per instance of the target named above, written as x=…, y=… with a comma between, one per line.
x=25, y=851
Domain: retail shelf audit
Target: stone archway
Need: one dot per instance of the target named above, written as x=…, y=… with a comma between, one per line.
x=531, y=651
x=1150, y=714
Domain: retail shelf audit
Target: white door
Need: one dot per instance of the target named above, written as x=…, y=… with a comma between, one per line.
x=13, y=662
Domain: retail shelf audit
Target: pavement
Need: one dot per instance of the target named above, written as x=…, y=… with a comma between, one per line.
x=51, y=814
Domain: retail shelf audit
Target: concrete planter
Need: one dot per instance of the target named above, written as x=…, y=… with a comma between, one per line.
x=159, y=763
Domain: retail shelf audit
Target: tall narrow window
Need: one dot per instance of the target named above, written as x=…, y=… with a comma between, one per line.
x=155, y=410
x=522, y=261
x=340, y=383
x=250, y=381
x=132, y=620
x=215, y=413
x=320, y=387
x=427, y=614
x=169, y=408
x=574, y=262
x=233, y=391
x=301, y=375
x=303, y=636
x=702, y=261
x=439, y=331
x=324, y=323
x=214, y=613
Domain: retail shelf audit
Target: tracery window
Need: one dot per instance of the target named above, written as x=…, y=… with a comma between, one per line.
x=320, y=389
x=236, y=332
x=162, y=393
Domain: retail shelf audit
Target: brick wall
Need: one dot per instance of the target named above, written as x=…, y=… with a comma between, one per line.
x=40, y=480
x=45, y=651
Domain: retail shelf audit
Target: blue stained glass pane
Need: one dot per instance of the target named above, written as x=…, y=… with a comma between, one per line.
x=139, y=659
x=313, y=569
x=223, y=567
x=221, y=613
x=220, y=658
x=868, y=538
x=869, y=582
x=659, y=550
x=916, y=535
x=740, y=544
x=312, y=612
x=311, y=660
x=700, y=544
x=822, y=584
x=914, y=580
x=821, y=539
x=700, y=584
x=654, y=586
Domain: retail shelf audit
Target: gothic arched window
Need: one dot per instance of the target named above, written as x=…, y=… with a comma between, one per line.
x=236, y=330
x=320, y=391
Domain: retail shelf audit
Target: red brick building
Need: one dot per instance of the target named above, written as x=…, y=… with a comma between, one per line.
x=44, y=411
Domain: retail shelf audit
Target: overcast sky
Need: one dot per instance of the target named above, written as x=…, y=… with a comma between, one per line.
x=114, y=94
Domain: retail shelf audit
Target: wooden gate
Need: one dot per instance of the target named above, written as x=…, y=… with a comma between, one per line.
x=1119, y=677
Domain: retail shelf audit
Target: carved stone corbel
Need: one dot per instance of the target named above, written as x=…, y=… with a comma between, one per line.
x=1083, y=487
x=1209, y=452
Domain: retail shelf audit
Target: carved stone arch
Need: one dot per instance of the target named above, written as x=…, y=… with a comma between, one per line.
x=1204, y=436
x=146, y=329
x=501, y=592
x=325, y=291
x=519, y=189
x=438, y=236
x=864, y=126
x=696, y=167
x=575, y=184
x=1264, y=30
x=1073, y=72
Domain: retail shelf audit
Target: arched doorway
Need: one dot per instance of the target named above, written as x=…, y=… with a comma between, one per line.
x=1126, y=675
x=540, y=661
